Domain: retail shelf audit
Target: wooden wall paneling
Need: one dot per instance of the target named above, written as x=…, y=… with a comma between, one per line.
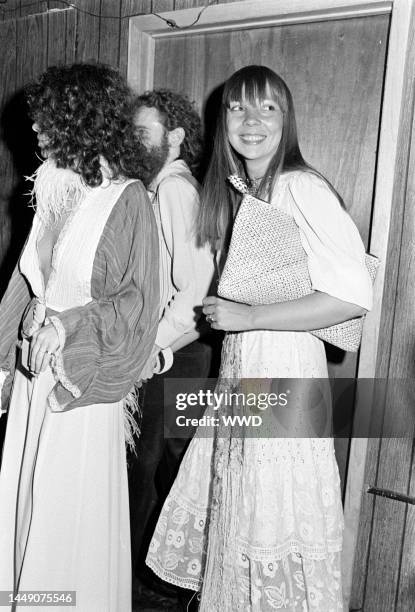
x=360, y=508
x=179, y=60
x=140, y=69
x=402, y=250
x=383, y=559
x=388, y=526
x=8, y=55
x=32, y=7
x=395, y=460
x=56, y=49
x=70, y=37
x=7, y=173
x=129, y=7
x=87, y=48
x=184, y=4
x=10, y=10
x=394, y=251
x=32, y=36
x=159, y=6
x=402, y=370
x=8, y=86
x=389, y=193
x=406, y=587
x=110, y=29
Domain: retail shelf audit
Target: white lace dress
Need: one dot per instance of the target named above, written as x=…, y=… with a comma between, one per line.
x=69, y=528
x=257, y=523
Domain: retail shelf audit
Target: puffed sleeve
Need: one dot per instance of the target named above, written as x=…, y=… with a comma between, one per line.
x=107, y=342
x=335, y=251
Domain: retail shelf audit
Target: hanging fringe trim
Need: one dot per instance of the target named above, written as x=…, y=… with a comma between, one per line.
x=55, y=191
x=131, y=408
x=132, y=418
x=220, y=587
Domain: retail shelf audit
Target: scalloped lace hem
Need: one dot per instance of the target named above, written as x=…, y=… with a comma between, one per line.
x=194, y=584
x=292, y=583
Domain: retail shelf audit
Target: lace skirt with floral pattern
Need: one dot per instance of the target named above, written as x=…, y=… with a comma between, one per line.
x=256, y=523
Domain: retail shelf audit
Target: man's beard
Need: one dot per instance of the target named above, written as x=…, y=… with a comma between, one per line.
x=159, y=154
x=55, y=191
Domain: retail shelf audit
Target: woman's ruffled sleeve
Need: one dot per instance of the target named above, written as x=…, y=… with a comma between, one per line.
x=106, y=343
x=335, y=251
x=12, y=306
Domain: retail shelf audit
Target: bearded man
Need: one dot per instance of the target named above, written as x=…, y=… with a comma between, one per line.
x=170, y=129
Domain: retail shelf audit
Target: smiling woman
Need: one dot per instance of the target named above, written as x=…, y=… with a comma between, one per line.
x=254, y=131
x=269, y=509
x=256, y=138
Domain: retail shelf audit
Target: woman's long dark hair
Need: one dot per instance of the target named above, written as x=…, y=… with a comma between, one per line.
x=86, y=111
x=219, y=202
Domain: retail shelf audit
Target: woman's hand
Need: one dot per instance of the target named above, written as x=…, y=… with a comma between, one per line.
x=227, y=315
x=43, y=345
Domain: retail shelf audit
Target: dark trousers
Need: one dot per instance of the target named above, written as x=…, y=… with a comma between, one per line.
x=152, y=472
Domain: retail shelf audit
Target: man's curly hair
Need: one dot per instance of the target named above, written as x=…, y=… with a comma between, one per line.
x=85, y=111
x=176, y=110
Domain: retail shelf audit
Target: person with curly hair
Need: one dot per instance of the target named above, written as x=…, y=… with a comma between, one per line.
x=171, y=111
x=170, y=128
x=83, y=306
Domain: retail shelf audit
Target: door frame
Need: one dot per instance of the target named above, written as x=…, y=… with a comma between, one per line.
x=144, y=31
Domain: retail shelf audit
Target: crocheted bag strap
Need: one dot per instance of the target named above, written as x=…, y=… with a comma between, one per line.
x=238, y=183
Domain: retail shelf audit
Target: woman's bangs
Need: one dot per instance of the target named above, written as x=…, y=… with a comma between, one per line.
x=251, y=87
x=256, y=87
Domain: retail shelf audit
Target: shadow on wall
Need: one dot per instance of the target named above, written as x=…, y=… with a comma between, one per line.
x=209, y=120
x=20, y=140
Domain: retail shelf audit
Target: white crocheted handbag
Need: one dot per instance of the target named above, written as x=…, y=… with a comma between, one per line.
x=266, y=263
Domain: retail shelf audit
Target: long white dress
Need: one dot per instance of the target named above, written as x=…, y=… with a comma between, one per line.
x=260, y=528
x=64, y=518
